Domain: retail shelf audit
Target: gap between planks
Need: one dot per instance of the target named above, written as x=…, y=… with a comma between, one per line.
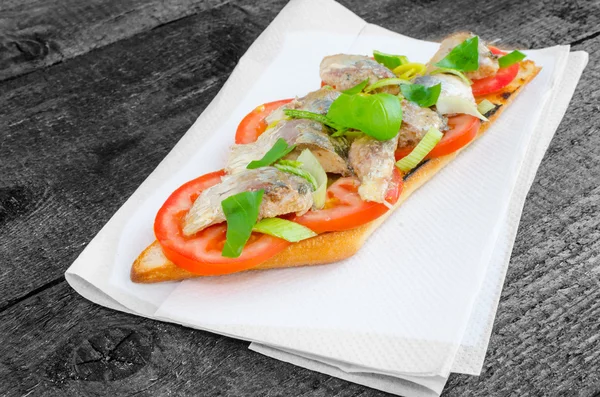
x=32, y=293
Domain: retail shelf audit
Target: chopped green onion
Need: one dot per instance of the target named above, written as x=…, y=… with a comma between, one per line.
x=464, y=57
x=386, y=82
x=510, y=59
x=310, y=164
x=241, y=212
x=282, y=228
x=428, y=142
x=485, y=106
x=378, y=115
x=458, y=74
x=297, y=171
x=304, y=114
x=421, y=95
x=410, y=70
x=291, y=163
x=388, y=60
x=357, y=88
x=279, y=150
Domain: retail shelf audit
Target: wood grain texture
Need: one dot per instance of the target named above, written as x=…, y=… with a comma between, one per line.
x=59, y=344
x=527, y=24
x=38, y=33
x=83, y=134
x=81, y=137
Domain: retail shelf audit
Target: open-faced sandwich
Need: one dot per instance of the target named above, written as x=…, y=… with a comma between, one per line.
x=309, y=179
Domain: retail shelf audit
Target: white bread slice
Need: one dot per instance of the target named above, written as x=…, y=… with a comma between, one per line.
x=152, y=266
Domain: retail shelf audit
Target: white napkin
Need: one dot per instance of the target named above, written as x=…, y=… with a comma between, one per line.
x=419, y=300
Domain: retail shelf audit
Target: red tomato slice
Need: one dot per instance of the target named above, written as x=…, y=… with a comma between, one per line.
x=345, y=209
x=201, y=253
x=463, y=129
x=254, y=123
x=495, y=83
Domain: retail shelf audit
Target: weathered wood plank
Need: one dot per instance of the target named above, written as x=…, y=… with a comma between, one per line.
x=38, y=33
x=57, y=343
x=81, y=137
x=529, y=24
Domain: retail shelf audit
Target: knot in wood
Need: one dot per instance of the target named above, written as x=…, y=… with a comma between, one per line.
x=25, y=49
x=15, y=201
x=111, y=354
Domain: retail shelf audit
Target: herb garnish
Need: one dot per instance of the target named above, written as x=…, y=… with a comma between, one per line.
x=510, y=59
x=378, y=116
x=389, y=61
x=421, y=95
x=304, y=114
x=241, y=212
x=464, y=57
x=279, y=150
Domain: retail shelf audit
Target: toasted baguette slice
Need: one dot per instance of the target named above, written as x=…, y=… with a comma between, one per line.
x=152, y=266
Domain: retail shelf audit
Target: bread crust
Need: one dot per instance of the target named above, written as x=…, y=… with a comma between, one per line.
x=152, y=266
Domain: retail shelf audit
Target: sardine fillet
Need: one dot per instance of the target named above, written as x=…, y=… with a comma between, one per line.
x=373, y=162
x=283, y=194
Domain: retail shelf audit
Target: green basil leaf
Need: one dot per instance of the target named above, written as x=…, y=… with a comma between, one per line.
x=241, y=212
x=421, y=95
x=304, y=114
x=389, y=61
x=378, y=116
x=464, y=57
x=357, y=88
x=510, y=59
x=279, y=150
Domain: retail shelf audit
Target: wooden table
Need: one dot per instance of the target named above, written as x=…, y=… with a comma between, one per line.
x=93, y=94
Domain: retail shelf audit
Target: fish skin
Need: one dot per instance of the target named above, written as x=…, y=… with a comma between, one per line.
x=488, y=62
x=283, y=193
x=305, y=134
x=416, y=121
x=344, y=71
x=373, y=162
x=317, y=101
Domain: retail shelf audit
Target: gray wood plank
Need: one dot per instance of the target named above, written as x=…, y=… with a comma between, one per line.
x=527, y=24
x=82, y=136
x=57, y=343
x=38, y=33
